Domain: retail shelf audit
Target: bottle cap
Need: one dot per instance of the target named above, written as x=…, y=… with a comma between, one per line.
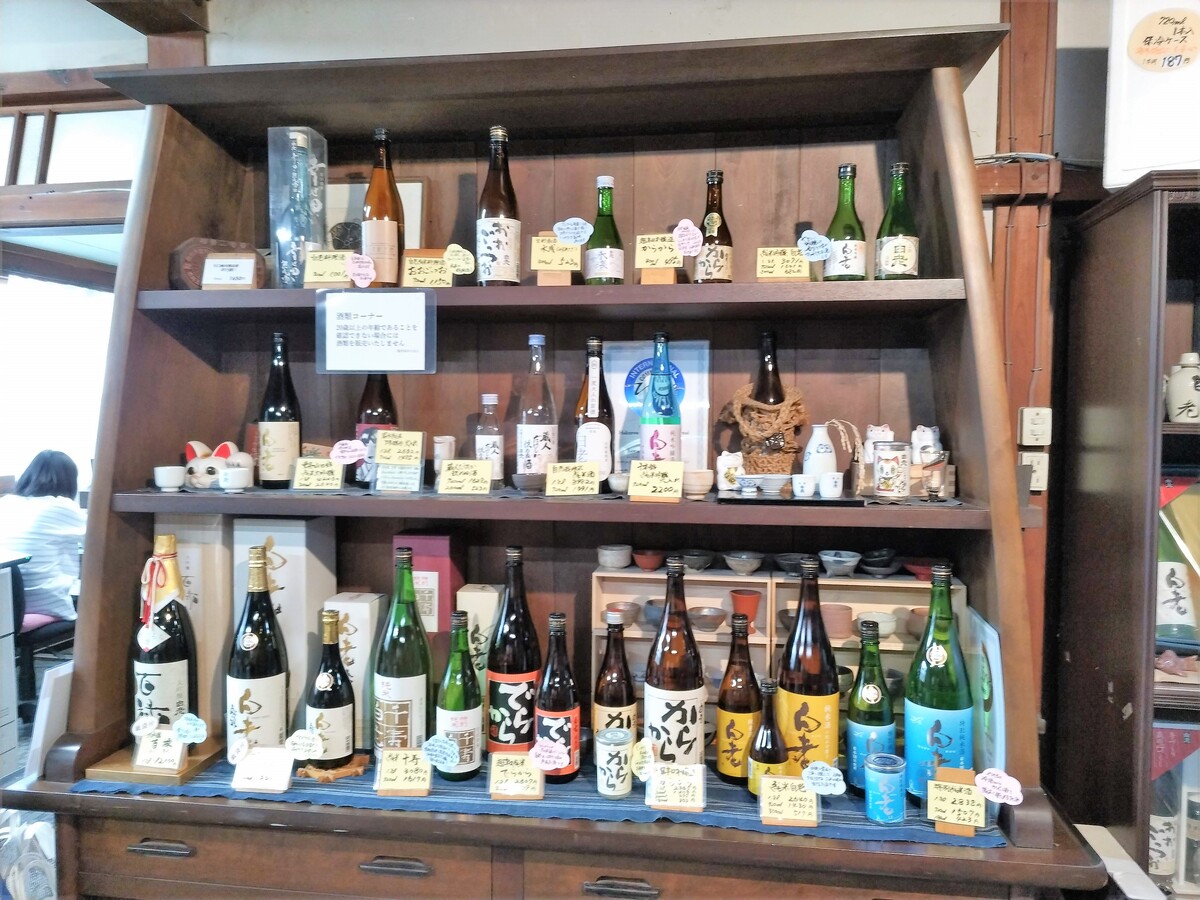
x=458, y=618
x=810, y=568
x=299, y=138
x=660, y=336
x=847, y=169
x=715, y=176
x=490, y=399
x=498, y=133
x=604, y=181
x=558, y=623
x=279, y=337
x=900, y=168
x=740, y=623
x=611, y=617
x=594, y=341
x=768, y=685
x=942, y=570
x=164, y=544
x=513, y=554
x=329, y=616
x=381, y=134
x=257, y=556
x=675, y=565
x=868, y=629
x=404, y=554
x=1190, y=359
x=537, y=340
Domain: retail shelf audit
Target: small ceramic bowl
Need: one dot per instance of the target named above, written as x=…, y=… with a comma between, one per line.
x=921, y=566
x=786, y=617
x=618, y=482
x=614, y=556
x=749, y=484
x=696, y=483
x=881, y=571
x=918, y=618
x=845, y=679
x=839, y=562
x=879, y=558
x=838, y=619
x=773, y=484
x=652, y=612
x=627, y=609
x=706, y=618
x=530, y=484
x=790, y=562
x=648, y=560
x=744, y=561
x=697, y=560
x=885, y=620
x=894, y=679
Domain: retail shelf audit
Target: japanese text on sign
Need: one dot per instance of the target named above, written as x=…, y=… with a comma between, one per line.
x=549, y=254
x=573, y=230
x=1166, y=40
x=160, y=749
x=404, y=773
x=399, y=448
x=375, y=331
x=572, y=479
x=313, y=474
x=957, y=804
x=657, y=251
x=426, y=271
x=398, y=478
x=688, y=238
x=326, y=267
x=814, y=246
x=784, y=800
x=676, y=787
x=657, y=479
x=513, y=776
x=781, y=262
x=465, y=476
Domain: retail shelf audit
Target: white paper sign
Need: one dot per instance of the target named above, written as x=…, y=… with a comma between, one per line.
x=191, y=729
x=264, y=770
x=822, y=778
x=160, y=749
x=688, y=238
x=375, y=331
x=573, y=231
x=346, y=452
x=304, y=744
x=999, y=787
x=815, y=247
x=549, y=755
x=224, y=272
x=398, y=478
x=440, y=751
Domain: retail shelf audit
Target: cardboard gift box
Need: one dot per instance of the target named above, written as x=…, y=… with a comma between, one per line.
x=439, y=564
x=481, y=602
x=359, y=615
x=301, y=573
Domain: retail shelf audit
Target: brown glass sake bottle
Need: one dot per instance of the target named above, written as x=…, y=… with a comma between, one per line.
x=376, y=412
x=674, y=694
x=513, y=665
x=383, y=216
x=768, y=751
x=557, y=711
x=614, y=704
x=739, y=707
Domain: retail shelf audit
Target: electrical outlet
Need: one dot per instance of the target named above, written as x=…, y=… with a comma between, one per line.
x=1033, y=426
x=1039, y=460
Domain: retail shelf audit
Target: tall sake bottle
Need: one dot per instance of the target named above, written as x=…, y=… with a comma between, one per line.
x=402, y=668
x=164, y=646
x=870, y=724
x=459, y=716
x=675, y=693
x=514, y=661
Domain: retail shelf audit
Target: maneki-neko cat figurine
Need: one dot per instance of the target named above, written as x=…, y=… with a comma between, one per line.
x=204, y=466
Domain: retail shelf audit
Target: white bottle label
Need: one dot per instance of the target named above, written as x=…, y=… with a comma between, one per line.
x=491, y=446
x=593, y=391
x=847, y=258
x=896, y=255
x=278, y=450
x=464, y=728
x=335, y=728
x=400, y=712
x=1173, y=595
x=498, y=249
x=674, y=722
x=381, y=242
x=593, y=443
x=604, y=262
x=661, y=440
x=256, y=709
x=714, y=263
x=537, y=447
x=160, y=689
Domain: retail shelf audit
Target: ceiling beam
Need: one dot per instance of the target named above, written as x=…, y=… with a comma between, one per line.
x=151, y=17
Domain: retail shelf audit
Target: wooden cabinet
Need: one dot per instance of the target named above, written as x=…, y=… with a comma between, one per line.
x=1134, y=291
x=778, y=115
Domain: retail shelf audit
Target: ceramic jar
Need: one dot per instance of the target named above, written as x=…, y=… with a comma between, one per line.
x=1183, y=390
x=819, y=456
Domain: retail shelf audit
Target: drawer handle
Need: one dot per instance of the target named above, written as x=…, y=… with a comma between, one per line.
x=630, y=888
x=151, y=847
x=396, y=865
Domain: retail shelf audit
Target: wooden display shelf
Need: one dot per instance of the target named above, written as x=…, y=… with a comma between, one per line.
x=1172, y=696
x=619, y=303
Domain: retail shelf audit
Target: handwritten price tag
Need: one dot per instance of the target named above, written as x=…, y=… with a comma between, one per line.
x=815, y=247
x=822, y=778
x=459, y=259
x=191, y=729
x=160, y=749
x=323, y=268
x=264, y=770
x=999, y=787
x=314, y=474
x=957, y=804
x=549, y=254
x=657, y=251
x=303, y=744
x=573, y=231
x=361, y=269
x=399, y=448
x=642, y=759
x=403, y=773
x=465, y=476
x=143, y=725
x=787, y=263
x=346, y=452
x=784, y=800
x=440, y=751
x=656, y=480
x=688, y=237
x=513, y=776
x=676, y=787
x=1166, y=40
x=572, y=479
x=548, y=755
x=426, y=271
x=406, y=479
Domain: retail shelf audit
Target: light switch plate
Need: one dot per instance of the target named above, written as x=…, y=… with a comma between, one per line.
x=1033, y=426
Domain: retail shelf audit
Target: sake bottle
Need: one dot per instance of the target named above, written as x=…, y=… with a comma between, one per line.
x=807, y=702
x=401, y=679
x=459, y=715
x=329, y=707
x=537, y=416
x=278, y=421
x=896, y=245
x=164, y=646
x=614, y=704
x=497, y=222
x=714, y=264
x=660, y=430
x=376, y=413
x=870, y=725
x=383, y=216
x=938, y=716
x=293, y=229
x=768, y=751
x=739, y=707
x=514, y=661
x=556, y=713
x=848, y=253
x=1174, y=606
x=489, y=438
x=256, y=676
x=603, y=257
x=593, y=413
x=674, y=694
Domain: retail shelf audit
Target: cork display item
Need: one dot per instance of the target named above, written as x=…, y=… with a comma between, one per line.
x=768, y=430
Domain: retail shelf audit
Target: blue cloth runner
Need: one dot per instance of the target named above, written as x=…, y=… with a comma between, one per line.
x=727, y=806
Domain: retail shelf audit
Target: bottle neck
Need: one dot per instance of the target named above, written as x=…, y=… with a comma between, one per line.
x=899, y=194
x=514, y=587
x=768, y=710
x=845, y=193
x=331, y=656
x=676, y=605
x=604, y=201
x=869, y=659
x=712, y=202
x=537, y=362
x=941, y=613
x=160, y=583
x=614, y=650
x=489, y=411
x=739, y=648
x=383, y=155
x=460, y=641
x=498, y=157
x=403, y=592
x=557, y=651
x=256, y=579
x=662, y=361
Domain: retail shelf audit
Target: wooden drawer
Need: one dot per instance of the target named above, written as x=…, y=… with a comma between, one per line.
x=149, y=856
x=630, y=878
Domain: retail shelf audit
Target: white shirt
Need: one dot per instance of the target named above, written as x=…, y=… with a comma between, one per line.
x=48, y=530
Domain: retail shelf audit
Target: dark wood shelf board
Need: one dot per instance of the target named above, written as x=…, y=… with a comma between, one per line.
x=1070, y=865
x=615, y=303
x=1180, y=428
x=740, y=85
x=1170, y=696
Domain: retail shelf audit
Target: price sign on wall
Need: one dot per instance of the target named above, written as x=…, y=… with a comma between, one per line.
x=380, y=330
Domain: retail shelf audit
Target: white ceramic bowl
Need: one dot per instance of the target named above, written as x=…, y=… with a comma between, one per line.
x=839, y=562
x=614, y=556
x=749, y=484
x=743, y=561
x=885, y=620
x=774, y=484
x=618, y=482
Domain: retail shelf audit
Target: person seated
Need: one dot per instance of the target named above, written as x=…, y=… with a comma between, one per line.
x=42, y=520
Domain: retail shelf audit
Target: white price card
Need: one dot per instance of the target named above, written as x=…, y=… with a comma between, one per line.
x=380, y=330
x=403, y=773
x=264, y=770
x=160, y=749
x=228, y=270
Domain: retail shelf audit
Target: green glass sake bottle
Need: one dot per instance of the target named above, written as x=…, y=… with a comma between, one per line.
x=897, y=244
x=870, y=724
x=938, y=716
x=402, y=668
x=1174, y=606
x=604, y=257
x=459, y=715
x=848, y=254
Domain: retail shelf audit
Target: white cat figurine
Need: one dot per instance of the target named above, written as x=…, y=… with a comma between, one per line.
x=204, y=465
x=876, y=433
x=925, y=437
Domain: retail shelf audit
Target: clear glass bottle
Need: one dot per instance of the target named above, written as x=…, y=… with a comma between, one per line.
x=593, y=413
x=497, y=222
x=848, y=254
x=897, y=246
x=489, y=438
x=383, y=217
x=604, y=257
x=660, y=429
x=537, y=417
x=714, y=264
